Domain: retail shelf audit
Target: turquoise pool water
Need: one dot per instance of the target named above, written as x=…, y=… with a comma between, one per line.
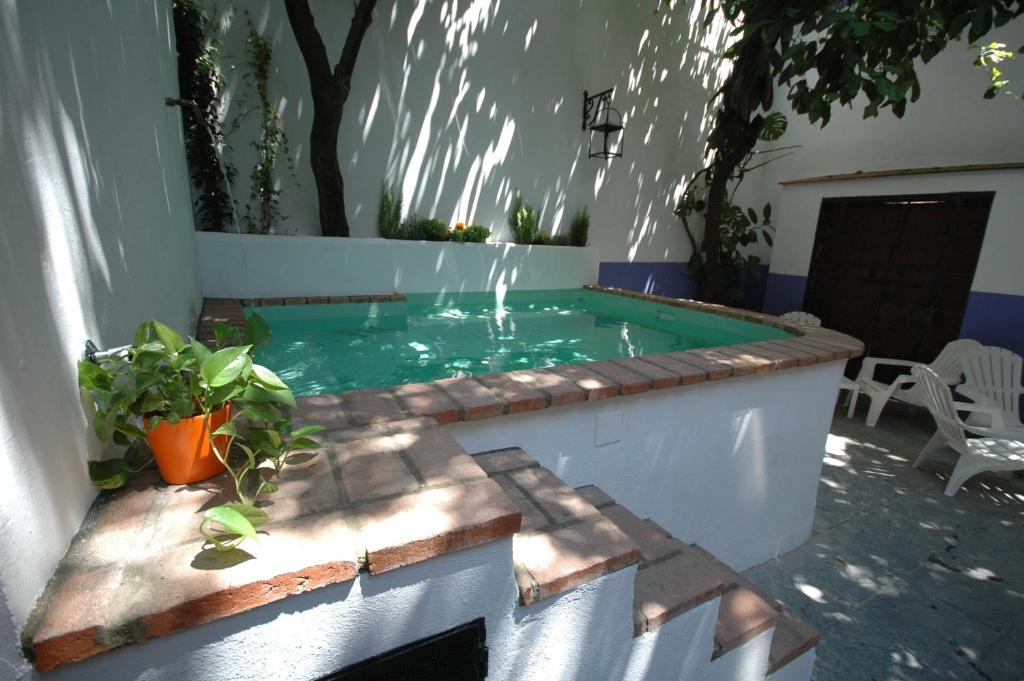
x=321, y=349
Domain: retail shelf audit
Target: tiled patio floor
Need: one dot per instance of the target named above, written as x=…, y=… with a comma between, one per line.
x=902, y=581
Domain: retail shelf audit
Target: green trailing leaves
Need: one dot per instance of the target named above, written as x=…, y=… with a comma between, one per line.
x=109, y=474
x=224, y=366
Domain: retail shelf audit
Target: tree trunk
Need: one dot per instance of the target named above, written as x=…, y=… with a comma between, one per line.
x=323, y=156
x=330, y=89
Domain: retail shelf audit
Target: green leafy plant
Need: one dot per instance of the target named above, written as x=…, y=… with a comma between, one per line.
x=201, y=88
x=473, y=234
x=559, y=240
x=389, y=214
x=579, y=228
x=425, y=229
x=264, y=210
x=524, y=221
x=163, y=377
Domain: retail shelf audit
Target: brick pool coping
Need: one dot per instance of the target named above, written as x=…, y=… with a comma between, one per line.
x=391, y=488
x=473, y=398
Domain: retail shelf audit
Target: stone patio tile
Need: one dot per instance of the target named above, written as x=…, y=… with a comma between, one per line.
x=558, y=389
x=415, y=527
x=658, y=377
x=550, y=563
x=371, y=406
x=520, y=397
x=475, y=400
x=1004, y=657
x=424, y=399
x=594, y=386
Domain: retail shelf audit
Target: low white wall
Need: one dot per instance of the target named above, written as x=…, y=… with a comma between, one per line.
x=96, y=235
x=250, y=266
x=726, y=464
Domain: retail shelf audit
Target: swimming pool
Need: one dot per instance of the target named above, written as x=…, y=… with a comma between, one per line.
x=326, y=349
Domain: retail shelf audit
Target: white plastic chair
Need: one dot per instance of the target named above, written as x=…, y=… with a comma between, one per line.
x=801, y=317
x=977, y=455
x=992, y=380
x=904, y=388
x=807, y=319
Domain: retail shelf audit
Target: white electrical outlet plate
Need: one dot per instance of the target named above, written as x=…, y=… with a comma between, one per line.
x=607, y=428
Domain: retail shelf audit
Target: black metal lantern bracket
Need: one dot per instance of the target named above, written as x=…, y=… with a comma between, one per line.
x=599, y=117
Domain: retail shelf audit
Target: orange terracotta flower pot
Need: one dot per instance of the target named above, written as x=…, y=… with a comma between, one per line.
x=183, y=451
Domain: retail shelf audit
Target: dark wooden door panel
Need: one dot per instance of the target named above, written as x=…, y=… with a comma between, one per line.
x=896, y=271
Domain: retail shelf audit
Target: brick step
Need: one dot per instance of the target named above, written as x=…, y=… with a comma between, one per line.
x=565, y=541
x=673, y=577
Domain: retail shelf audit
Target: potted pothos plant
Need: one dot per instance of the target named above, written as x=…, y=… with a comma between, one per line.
x=200, y=411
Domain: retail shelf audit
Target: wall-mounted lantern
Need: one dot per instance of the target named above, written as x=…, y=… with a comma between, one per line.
x=601, y=119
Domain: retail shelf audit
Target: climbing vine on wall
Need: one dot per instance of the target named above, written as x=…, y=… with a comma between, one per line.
x=271, y=143
x=201, y=89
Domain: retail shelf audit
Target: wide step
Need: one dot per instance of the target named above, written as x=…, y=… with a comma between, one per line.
x=564, y=541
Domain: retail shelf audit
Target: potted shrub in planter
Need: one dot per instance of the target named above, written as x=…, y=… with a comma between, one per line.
x=188, y=403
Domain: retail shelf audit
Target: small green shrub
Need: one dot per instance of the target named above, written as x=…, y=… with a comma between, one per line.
x=523, y=220
x=389, y=216
x=559, y=240
x=474, y=234
x=425, y=229
x=579, y=227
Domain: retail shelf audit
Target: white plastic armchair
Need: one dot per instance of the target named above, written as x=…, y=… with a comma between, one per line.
x=977, y=455
x=904, y=389
x=807, y=319
x=992, y=381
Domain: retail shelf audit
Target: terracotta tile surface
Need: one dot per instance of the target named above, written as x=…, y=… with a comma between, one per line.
x=414, y=527
x=423, y=399
x=780, y=360
x=688, y=373
x=565, y=558
x=475, y=400
x=533, y=518
x=742, y=615
x=672, y=587
x=436, y=458
x=792, y=638
x=654, y=543
x=803, y=357
x=629, y=382
x=370, y=406
x=372, y=468
x=761, y=364
x=714, y=368
x=558, y=389
x=520, y=397
x=657, y=377
x=503, y=460
x=322, y=410
x=595, y=496
x=559, y=501
x=594, y=386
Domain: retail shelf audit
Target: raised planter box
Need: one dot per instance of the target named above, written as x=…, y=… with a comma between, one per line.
x=256, y=266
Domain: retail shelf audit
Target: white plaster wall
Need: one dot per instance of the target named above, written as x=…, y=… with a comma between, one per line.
x=251, y=266
x=725, y=464
x=459, y=103
x=679, y=649
x=951, y=124
x=96, y=234
x=746, y=662
x=799, y=669
x=1002, y=250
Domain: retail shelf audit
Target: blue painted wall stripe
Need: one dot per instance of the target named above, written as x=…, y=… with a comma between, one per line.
x=995, y=319
x=784, y=293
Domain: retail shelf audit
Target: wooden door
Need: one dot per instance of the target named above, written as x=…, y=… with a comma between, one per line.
x=895, y=271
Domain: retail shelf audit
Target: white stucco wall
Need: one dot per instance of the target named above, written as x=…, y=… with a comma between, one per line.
x=725, y=464
x=460, y=103
x=951, y=124
x=998, y=268
x=251, y=266
x=96, y=234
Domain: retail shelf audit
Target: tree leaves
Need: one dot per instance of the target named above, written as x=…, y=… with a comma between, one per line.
x=774, y=126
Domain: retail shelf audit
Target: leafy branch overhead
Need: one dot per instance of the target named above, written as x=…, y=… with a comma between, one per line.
x=820, y=53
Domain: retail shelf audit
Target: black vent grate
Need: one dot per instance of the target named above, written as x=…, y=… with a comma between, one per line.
x=459, y=654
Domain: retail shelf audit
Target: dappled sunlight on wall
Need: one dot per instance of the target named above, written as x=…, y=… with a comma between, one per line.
x=458, y=104
x=96, y=235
